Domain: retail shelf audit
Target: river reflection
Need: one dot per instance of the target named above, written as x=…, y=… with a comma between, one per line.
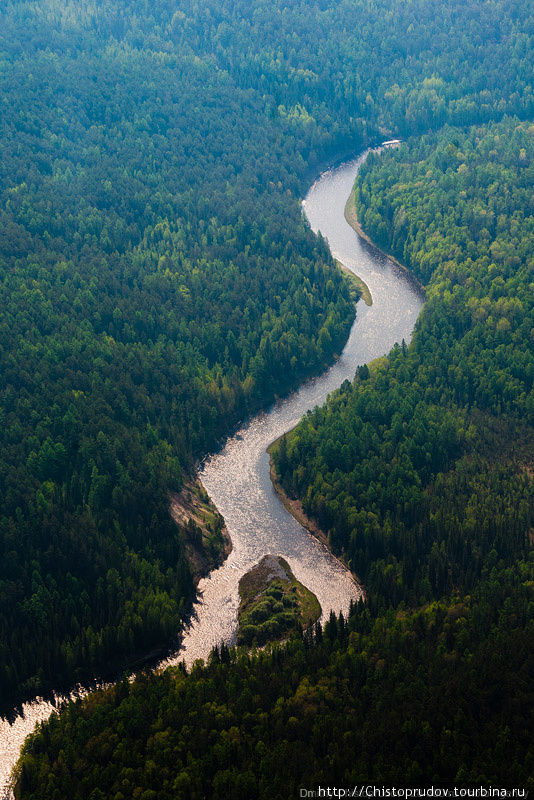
x=237, y=477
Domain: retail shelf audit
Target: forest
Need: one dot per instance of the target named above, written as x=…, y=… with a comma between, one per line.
x=153, y=291
x=158, y=282
x=403, y=466
x=420, y=471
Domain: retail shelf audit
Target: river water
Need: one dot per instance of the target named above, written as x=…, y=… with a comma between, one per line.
x=237, y=477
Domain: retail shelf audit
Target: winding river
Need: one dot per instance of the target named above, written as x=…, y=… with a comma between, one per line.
x=237, y=477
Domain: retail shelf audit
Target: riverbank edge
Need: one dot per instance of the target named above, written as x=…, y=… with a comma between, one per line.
x=364, y=293
x=352, y=219
x=193, y=503
x=294, y=507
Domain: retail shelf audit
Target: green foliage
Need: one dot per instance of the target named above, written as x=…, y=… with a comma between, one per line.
x=429, y=491
x=417, y=469
x=157, y=278
x=154, y=287
x=438, y=695
x=157, y=281
x=274, y=605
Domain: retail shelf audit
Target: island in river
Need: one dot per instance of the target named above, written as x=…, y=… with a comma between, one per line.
x=274, y=604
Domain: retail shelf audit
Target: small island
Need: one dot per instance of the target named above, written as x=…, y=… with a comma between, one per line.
x=274, y=605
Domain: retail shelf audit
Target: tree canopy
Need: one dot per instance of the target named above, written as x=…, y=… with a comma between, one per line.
x=158, y=281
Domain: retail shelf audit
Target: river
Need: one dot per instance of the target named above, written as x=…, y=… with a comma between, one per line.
x=237, y=476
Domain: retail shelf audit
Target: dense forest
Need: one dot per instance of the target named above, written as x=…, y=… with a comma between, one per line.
x=421, y=472
x=404, y=466
x=427, y=697
x=158, y=282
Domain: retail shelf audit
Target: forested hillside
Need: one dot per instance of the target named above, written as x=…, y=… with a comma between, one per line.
x=158, y=282
x=436, y=696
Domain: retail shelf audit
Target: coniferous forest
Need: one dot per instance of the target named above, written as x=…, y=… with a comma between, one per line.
x=158, y=282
